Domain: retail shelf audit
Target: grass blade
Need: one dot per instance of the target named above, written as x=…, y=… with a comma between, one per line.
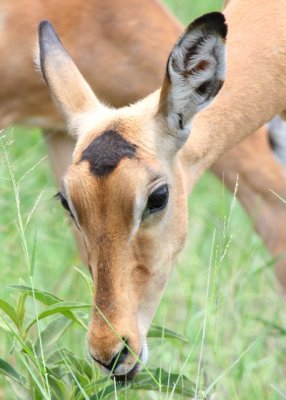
x=7, y=370
x=157, y=331
x=282, y=395
x=226, y=371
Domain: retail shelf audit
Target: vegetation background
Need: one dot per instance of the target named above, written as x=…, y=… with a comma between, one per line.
x=223, y=296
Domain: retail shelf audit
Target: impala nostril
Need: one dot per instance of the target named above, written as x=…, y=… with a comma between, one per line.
x=118, y=359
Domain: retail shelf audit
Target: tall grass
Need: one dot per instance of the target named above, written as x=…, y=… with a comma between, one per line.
x=222, y=305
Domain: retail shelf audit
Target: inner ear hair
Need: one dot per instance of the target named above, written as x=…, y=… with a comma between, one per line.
x=195, y=71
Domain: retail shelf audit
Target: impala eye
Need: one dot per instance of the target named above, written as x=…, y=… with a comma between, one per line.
x=158, y=199
x=64, y=203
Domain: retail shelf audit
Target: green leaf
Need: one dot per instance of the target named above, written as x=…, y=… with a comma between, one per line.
x=49, y=299
x=59, y=388
x=21, y=307
x=105, y=392
x=81, y=380
x=58, y=372
x=46, y=298
x=20, y=392
x=4, y=327
x=90, y=388
x=168, y=382
x=64, y=308
x=78, y=364
x=51, y=334
x=7, y=370
x=38, y=394
x=159, y=332
x=10, y=311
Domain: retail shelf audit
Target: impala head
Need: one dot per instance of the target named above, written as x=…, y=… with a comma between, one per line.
x=125, y=189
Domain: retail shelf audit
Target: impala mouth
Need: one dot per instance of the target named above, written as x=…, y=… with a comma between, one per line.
x=138, y=366
x=120, y=374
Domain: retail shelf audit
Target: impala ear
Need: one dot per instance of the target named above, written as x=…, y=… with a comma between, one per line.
x=194, y=75
x=70, y=90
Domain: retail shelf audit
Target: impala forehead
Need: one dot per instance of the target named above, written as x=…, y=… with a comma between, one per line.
x=106, y=151
x=112, y=172
x=111, y=198
x=113, y=138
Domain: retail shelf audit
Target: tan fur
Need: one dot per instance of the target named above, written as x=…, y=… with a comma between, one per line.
x=241, y=108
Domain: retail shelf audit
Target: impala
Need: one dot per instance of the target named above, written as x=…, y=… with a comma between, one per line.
x=126, y=188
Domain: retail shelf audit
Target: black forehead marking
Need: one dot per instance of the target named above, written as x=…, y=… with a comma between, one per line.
x=106, y=151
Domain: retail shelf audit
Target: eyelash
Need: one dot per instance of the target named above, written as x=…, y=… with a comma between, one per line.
x=59, y=196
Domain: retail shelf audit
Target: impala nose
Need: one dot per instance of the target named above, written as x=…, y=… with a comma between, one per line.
x=116, y=361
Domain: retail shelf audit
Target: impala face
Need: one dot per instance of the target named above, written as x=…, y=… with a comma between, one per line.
x=126, y=190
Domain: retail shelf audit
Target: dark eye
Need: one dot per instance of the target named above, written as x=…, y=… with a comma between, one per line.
x=158, y=199
x=64, y=202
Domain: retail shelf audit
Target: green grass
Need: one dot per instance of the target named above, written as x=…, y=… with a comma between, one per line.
x=236, y=334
